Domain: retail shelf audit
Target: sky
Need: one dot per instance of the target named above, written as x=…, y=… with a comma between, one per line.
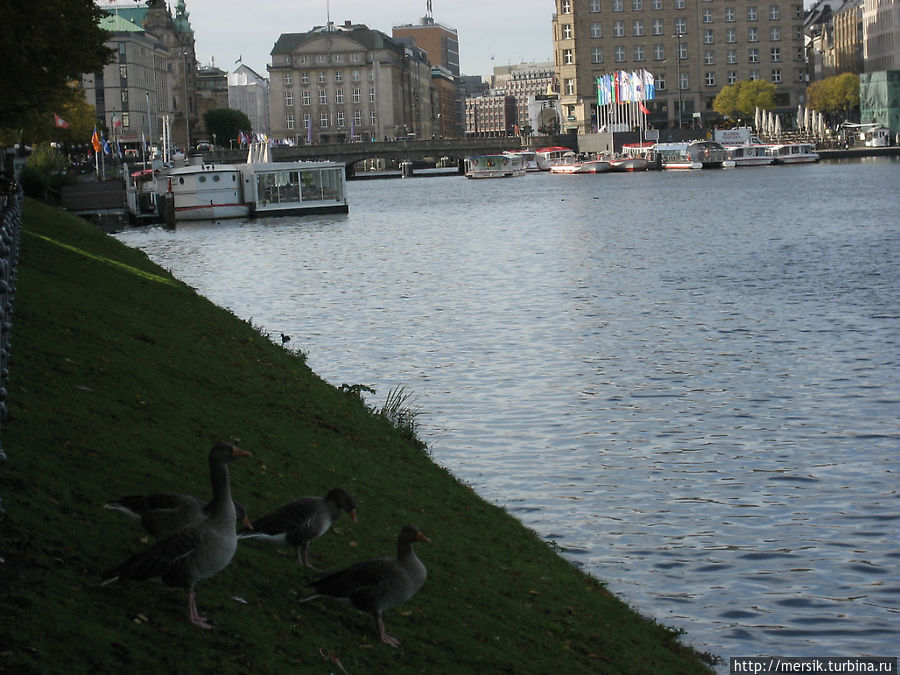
x=491, y=32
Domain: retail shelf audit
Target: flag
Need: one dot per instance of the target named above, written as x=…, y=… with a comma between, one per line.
x=95, y=141
x=116, y=121
x=119, y=150
x=105, y=144
x=643, y=108
x=60, y=122
x=649, y=86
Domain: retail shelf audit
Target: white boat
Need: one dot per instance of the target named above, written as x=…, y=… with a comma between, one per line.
x=530, y=157
x=747, y=155
x=691, y=155
x=207, y=192
x=793, y=153
x=549, y=155
x=572, y=164
x=495, y=166
x=633, y=158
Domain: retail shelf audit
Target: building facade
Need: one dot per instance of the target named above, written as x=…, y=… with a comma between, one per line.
x=526, y=82
x=492, y=115
x=881, y=26
x=339, y=83
x=248, y=91
x=211, y=94
x=693, y=48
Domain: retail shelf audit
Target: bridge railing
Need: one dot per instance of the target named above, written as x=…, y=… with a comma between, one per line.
x=10, y=235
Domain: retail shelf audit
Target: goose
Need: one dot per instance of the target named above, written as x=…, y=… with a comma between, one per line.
x=303, y=520
x=378, y=584
x=163, y=513
x=197, y=551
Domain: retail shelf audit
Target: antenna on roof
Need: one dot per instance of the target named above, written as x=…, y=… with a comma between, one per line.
x=428, y=8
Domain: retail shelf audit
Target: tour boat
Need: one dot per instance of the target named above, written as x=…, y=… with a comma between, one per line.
x=495, y=166
x=633, y=158
x=691, y=155
x=529, y=156
x=572, y=164
x=207, y=192
x=793, y=153
x=549, y=155
x=747, y=155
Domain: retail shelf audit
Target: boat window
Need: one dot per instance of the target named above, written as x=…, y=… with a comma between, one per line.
x=202, y=179
x=215, y=178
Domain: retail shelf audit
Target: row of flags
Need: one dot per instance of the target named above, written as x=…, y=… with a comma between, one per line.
x=623, y=86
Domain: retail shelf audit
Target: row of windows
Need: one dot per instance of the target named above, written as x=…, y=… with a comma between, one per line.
x=657, y=27
x=306, y=77
x=335, y=57
x=325, y=119
x=659, y=54
x=709, y=79
x=306, y=96
x=753, y=13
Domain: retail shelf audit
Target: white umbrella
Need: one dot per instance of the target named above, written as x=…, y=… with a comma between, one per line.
x=756, y=120
x=800, y=117
x=770, y=125
x=777, y=126
x=821, y=125
x=808, y=120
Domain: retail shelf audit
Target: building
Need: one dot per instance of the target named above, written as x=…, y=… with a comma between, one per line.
x=527, y=83
x=339, y=83
x=152, y=76
x=248, y=91
x=881, y=27
x=492, y=115
x=211, y=94
x=834, y=34
x=693, y=48
x=446, y=103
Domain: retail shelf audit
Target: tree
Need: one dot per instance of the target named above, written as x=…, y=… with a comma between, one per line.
x=43, y=46
x=223, y=124
x=834, y=95
x=741, y=99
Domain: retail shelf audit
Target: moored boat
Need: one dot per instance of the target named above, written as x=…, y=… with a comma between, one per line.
x=747, y=155
x=294, y=188
x=207, y=192
x=793, y=153
x=691, y=155
x=634, y=157
x=572, y=164
x=549, y=155
x=529, y=156
x=495, y=166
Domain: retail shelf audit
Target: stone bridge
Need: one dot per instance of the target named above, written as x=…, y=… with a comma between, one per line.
x=351, y=153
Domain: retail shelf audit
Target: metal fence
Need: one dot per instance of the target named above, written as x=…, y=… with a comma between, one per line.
x=10, y=235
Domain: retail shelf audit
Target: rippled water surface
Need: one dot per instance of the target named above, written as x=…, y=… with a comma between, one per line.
x=689, y=381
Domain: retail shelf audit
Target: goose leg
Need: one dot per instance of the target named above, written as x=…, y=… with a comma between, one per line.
x=303, y=554
x=385, y=638
x=193, y=615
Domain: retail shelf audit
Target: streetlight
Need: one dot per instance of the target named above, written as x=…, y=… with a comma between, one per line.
x=677, y=37
x=187, y=105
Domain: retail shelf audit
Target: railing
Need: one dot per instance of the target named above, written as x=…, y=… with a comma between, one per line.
x=10, y=235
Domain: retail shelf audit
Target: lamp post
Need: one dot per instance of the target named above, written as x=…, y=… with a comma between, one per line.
x=678, y=76
x=187, y=105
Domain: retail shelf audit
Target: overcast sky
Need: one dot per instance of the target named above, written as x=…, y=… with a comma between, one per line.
x=491, y=32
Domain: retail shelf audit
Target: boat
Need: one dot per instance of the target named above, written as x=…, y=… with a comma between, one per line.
x=258, y=188
x=547, y=156
x=530, y=157
x=495, y=166
x=691, y=155
x=793, y=153
x=755, y=154
x=572, y=164
x=633, y=157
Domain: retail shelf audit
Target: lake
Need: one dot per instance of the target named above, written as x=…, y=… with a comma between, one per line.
x=689, y=381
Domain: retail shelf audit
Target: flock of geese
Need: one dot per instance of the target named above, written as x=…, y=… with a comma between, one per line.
x=197, y=540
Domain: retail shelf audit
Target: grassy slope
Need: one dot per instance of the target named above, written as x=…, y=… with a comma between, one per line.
x=121, y=380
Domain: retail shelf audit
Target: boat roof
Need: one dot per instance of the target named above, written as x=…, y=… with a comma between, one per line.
x=203, y=168
x=553, y=148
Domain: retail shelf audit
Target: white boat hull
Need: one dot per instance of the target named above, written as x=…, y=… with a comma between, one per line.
x=635, y=164
x=212, y=212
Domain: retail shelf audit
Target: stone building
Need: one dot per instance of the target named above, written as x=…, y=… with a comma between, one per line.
x=211, y=94
x=340, y=83
x=881, y=34
x=248, y=91
x=526, y=82
x=491, y=115
x=693, y=48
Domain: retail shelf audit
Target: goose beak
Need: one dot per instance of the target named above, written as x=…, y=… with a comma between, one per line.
x=246, y=523
x=237, y=452
x=421, y=537
x=353, y=514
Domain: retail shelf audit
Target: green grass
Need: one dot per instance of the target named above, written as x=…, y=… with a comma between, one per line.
x=121, y=380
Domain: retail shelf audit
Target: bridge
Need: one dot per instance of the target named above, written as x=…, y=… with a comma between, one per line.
x=350, y=153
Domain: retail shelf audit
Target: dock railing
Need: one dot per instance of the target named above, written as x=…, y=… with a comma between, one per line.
x=10, y=236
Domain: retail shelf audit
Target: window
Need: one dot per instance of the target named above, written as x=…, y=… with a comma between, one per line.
x=287, y=79
x=710, y=79
x=709, y=57
x=751, y=14
x=637, y=5
x=680, y=26
x=339, y=96
x=657, y=26
x=597, y=55
x=776, y=54
x=639, y=52
x=565, y=6
x=708, y=36
x=305, y=97
x=323, y=96
x=776, y=75
x=338, y=76
x=656, y=4
x=321, y=76
x=301, y=59
x=357, y=117
x=289, y=121
x=594, y=6
x=732, y=76
x=620, y=54
x=659, y=81
x=753, y=55
x=355, y=57
x=637, y=28
x=774, y=13
x=618, y=29
x=659, y=53
x=354, y=76
x=753, y=34
x=289, y=98
x=679, y=4
x=321, y=58
x=338, y=58
x=707, y=16
x=340, y=118
x=372, y=117
x=730, y=35
x=596, y=30
x=754, y=74
x=304, y=78
x=570, y=86
x=683, y=82
x=323, y=120
x=356, y=95
x=568, y=58
x=567, y=31
x=775, y=34
x=682, y=51
x=371, y=94
x=729, y=14
x=731, y=57
x=618, y=5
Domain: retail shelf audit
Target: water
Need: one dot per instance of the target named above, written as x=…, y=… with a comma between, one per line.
x=689, y=381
